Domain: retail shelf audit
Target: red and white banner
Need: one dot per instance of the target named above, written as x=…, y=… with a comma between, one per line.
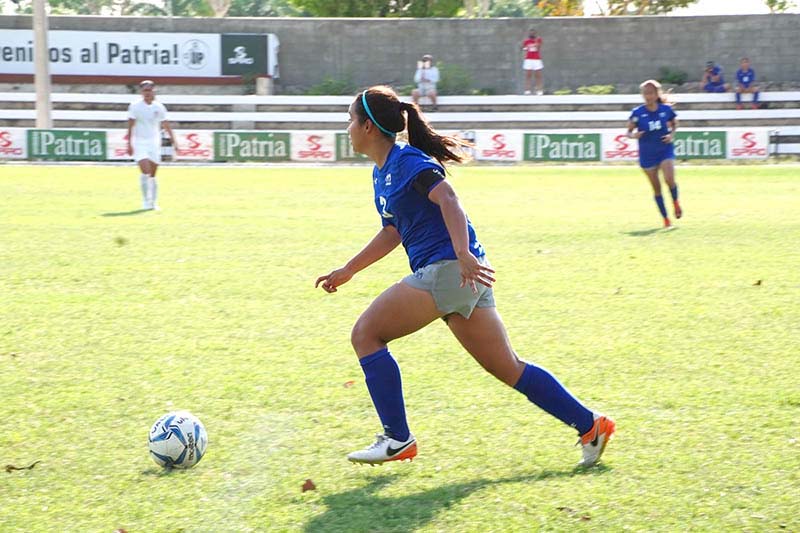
x=748, y=143
x=502, y=145
x=313, y=146
x=618, y=147
x=13, y=143
x=194, y=145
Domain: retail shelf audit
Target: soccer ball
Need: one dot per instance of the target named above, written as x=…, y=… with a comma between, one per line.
x=178, y=440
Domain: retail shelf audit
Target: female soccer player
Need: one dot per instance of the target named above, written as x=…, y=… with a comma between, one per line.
x=654, y=125
x=451, y=279
x=146, y=118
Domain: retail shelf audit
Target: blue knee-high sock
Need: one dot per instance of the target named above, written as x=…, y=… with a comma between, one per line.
x=674, y=192
x=660, y=203
x=755, y=97
x=546, y=392
x=386, y=388
x=738, y=97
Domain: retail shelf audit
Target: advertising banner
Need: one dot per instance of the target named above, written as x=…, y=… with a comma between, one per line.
x=491, y=145
x=618, y=147
x=344, y=150
x=544, y=146
x=13, y=144
x=244, y=54
x=705, y=144
x=748, y=143
x=261, y=146
x=313, y=146
x=67, y=145
x=194, y=145
x=117, y=145
x=107, y=53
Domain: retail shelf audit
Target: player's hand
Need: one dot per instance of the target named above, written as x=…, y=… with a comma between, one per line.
x=667, y=138
x=331, y=281
x=130, y=149
x=635, y=134
x=473, y=271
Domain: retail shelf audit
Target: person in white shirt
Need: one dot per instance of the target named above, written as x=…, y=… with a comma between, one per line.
x=146, y=118
x=426, y=77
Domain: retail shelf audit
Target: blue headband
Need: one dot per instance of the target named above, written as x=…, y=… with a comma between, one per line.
x=369, y=114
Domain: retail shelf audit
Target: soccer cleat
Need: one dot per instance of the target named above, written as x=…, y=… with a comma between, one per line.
x=527, y=92
x=667, y=223
x=678, y=210
x=594, y=441
x=539, y=93
x=385, y=449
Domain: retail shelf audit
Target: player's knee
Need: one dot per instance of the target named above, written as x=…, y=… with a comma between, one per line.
x=363, y=335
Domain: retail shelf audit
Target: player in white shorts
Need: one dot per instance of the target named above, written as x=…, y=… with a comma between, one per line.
x=146, y=118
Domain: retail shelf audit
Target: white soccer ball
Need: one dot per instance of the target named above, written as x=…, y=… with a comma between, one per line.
x=178, y=440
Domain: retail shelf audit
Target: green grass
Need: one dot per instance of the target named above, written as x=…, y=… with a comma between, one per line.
x=108, y=321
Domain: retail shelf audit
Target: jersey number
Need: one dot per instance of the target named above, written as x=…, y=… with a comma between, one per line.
x=384, y=212
x=654, y=125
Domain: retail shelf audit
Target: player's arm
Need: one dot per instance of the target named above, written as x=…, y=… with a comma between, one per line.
x=672, y=125
x=386, y=240
x=166, y=127
x=633, y=130
x=443, y=195
x=131, y=124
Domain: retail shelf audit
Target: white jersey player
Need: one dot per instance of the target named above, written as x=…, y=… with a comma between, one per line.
x=146, y=118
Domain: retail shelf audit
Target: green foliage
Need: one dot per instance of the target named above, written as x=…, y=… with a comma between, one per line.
x=107, y=322
x=645, y=7
x=454, y=79
x=596, y=89
x=175, y=8
x=672, y=76
x=379, y=8
x=779, y=6
x=263, y=8
x=562, y=92
x=334, y=86
x=515, y=8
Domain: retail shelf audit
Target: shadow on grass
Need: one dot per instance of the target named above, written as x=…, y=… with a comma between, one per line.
x=126, y=213
x=362, y=509
x=646, y=232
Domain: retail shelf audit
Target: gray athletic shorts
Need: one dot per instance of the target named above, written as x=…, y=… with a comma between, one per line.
x=442, y=280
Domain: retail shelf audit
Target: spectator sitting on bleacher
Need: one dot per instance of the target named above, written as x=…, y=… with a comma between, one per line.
x=713, y=82
x=426, y=77
x=745, y=83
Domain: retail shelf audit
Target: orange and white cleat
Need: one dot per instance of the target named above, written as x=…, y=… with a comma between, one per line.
x=594, y=441
x=385, y=449
x=678, y=211
x=667, y=223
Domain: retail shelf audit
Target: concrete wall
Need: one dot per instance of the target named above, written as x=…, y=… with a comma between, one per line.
x=576, y=51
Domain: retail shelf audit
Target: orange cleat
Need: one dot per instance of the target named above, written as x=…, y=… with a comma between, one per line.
x=595, y=440
x=678, y=210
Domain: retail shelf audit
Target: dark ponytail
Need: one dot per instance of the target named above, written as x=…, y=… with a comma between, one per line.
x=386, y=111
x=421, y=135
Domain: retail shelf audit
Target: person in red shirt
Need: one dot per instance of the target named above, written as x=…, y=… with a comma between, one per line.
x=532, y=65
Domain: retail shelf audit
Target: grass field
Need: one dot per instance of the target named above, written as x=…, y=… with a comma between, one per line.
x=690, y=339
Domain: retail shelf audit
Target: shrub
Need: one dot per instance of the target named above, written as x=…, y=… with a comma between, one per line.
x=596, y=89
x=334, y=86
x=562, y=92
x=453, y=79
x=672, y=76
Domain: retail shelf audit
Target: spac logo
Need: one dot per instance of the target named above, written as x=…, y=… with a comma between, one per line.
x=192, y=146
x=7, y=144
x=499, y=148
x=122, y=150
x=314, y=149
x=747, y=145
x=622, y=148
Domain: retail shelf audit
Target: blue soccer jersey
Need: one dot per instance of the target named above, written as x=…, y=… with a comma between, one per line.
x=745, y=77
x=418, y=220
x=652, y=149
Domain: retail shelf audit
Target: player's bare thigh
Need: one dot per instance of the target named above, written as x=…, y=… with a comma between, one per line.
x=397, y=312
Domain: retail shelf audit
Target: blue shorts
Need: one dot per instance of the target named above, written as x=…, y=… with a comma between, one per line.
x=652, y=156
x=714, y=88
